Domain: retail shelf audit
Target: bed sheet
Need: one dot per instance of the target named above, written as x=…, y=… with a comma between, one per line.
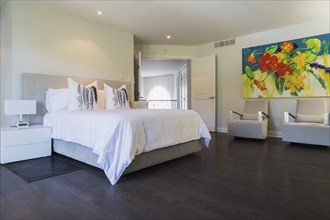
x=116, y=136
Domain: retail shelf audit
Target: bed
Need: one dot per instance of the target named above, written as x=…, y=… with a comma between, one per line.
x=160, y=149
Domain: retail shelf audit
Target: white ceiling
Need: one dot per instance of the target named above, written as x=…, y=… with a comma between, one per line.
x=194, y=22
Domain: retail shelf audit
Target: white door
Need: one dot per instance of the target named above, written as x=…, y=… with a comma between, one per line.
x=203, y=81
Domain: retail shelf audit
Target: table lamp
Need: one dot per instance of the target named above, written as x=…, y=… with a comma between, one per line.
x=20, y=107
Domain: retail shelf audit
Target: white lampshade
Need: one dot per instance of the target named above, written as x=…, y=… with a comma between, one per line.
x=20, y=107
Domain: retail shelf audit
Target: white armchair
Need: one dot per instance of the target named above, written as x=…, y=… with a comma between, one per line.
x=253, y=123
x=310, y=124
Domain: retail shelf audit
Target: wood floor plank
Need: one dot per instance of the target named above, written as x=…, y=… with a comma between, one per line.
x=233, y=179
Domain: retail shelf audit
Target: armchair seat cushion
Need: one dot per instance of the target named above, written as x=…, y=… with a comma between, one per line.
x=247, y=129
x=307, y=133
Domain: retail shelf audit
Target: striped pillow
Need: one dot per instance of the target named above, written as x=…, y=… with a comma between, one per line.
x=116, y=98
x=82, y=97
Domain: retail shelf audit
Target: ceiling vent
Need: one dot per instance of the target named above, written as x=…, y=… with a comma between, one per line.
x=224, y=43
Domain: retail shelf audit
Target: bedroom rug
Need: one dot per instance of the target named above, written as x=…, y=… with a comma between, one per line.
x=40, y=168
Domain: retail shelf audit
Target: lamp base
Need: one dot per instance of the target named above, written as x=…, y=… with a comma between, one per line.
x=22, y=124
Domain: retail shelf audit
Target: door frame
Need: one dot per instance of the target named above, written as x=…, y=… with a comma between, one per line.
x=164, y=57
x=182, y=85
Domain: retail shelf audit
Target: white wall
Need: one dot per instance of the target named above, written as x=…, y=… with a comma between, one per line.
x=229, y=71
x=46, y=41
x=229, y=68
x=6, y=53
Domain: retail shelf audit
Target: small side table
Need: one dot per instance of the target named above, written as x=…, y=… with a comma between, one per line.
x=25, y=143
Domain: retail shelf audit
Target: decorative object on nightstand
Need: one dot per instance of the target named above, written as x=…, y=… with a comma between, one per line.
x=23, y=144
x=20, y=107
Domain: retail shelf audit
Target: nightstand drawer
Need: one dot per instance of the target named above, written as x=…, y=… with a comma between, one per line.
x=25, y=152
x=24, y=136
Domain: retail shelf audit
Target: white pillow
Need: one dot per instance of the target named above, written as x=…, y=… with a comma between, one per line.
x=116, y=98
x=82, y=97
x=101, y=99
x=57, y=99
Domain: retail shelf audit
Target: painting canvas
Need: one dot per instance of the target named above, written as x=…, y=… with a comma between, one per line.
x=294, y=68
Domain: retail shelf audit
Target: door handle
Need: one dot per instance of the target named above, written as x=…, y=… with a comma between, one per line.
x=211, y=97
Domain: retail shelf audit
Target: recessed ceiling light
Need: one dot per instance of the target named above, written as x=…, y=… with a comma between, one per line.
x=100, y=12
x=168, y=36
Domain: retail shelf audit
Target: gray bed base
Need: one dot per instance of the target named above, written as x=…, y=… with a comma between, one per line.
x=144, y=160
x=34, y=86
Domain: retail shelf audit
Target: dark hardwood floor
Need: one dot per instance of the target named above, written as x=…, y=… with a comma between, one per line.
x=233, y=179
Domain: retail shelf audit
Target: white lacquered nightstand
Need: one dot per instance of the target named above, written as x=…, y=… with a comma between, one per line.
x=25, y=143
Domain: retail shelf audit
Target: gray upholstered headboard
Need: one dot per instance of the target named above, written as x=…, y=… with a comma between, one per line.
x=35, y=86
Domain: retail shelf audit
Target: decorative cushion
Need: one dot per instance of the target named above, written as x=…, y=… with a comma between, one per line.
x=101, y=100
x=82, y=97
x=57, y=99
x=250, y=116
x=138, y=104
x=309, y=118
x=116, y=98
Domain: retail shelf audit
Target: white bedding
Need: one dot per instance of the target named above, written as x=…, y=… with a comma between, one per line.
x=118, y=135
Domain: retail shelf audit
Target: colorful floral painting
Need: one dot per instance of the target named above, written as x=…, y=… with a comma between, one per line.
x=295, y=68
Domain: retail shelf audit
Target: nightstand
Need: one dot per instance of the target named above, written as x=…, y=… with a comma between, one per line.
x=24, y=143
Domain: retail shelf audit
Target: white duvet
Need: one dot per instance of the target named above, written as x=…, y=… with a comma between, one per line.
x=118, y=135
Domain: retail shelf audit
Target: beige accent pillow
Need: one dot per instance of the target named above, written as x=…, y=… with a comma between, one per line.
x=101, y=100
x=250, y=116
x=309, y=118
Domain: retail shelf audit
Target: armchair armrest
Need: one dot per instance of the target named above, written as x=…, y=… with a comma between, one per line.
x=286, y=116
x=261, y=116
x=240, y=115
x=327, y=118
x=265, y=114
x=231, y=115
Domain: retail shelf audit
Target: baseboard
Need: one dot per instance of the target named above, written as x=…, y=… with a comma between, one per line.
x=277, y=134
x=222, y=129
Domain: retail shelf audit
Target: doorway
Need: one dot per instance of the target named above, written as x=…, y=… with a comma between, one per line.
x=164, y=83
x=195, y=90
